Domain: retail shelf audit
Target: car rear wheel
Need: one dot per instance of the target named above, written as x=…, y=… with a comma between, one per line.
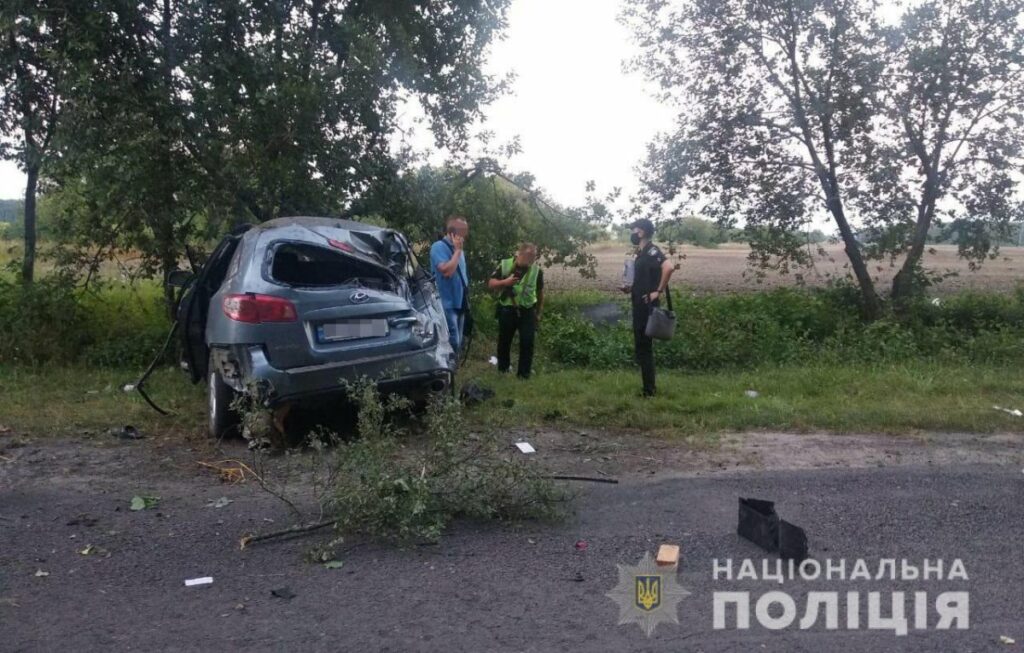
x=219, y=397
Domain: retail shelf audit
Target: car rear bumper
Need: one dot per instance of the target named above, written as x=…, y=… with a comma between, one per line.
x=420, y=371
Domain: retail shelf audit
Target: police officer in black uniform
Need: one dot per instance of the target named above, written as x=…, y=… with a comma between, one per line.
x=651, y=272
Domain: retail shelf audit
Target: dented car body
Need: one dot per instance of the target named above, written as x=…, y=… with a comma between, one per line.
x=295, y=307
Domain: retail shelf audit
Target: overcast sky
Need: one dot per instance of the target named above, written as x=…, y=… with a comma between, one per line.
x=578, y=115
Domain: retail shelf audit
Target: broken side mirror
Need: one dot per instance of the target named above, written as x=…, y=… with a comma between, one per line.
x=179, y=278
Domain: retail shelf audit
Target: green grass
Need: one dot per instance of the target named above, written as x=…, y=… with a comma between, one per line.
x=847, y=399
x=81, y=401
x=886, y=399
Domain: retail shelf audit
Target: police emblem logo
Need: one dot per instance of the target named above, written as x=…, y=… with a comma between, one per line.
x=646, y=595
x=648, y=592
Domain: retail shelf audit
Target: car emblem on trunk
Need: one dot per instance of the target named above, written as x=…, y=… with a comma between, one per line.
x=358, y=297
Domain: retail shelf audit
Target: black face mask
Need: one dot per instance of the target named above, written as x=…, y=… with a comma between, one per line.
x=634, y=238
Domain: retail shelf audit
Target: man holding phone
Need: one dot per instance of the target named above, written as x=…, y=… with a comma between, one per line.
x=520, y=283
x=448, y=263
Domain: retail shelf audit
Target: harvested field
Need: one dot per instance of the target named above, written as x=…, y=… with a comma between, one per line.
x=726, y=269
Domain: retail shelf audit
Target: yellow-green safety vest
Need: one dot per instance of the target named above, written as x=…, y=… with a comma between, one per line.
x=524, y=292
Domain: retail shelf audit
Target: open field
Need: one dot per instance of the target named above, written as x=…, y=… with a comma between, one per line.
x=726, y=269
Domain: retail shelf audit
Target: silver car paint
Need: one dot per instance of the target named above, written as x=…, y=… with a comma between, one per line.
x=287, y=361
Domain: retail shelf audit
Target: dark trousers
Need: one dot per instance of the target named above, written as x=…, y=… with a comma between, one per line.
x=643, y=346
x=510, y=320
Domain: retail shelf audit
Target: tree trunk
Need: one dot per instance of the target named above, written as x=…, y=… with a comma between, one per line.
x=904, y=284
x=872, y=303
x=28, y=262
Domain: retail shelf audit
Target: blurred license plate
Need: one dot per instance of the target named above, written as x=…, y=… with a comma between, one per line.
x=353, y=329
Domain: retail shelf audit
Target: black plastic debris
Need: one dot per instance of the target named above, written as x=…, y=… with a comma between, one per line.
x=473, y=393
x=282, y=593
x=128, y=432
x=792, y=541
x=759, y=523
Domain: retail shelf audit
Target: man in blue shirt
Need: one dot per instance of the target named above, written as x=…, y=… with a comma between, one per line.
x=448, y=263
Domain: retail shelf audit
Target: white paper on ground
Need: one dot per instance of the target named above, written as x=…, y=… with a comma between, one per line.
x=493, y=360
x=205, y=580
x=525, y=447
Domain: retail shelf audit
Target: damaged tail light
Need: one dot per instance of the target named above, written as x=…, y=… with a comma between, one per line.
x=256, y=309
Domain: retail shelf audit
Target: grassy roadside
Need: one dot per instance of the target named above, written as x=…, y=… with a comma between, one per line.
x=883, y=398
x=88, y=401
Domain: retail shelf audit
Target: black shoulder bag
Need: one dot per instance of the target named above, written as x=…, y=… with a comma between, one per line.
x=661, y=324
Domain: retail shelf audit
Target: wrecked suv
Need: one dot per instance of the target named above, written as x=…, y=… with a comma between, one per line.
x=295, y=307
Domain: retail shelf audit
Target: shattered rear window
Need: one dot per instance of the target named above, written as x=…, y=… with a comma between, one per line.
x=299, y=264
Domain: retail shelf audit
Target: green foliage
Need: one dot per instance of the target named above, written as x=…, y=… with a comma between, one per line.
x=695, y=231
x=785, y=326
x=382, y=486
x=788, y=109
x=10, y=210
x=196, y=115
x=112, y=325
x=502, y=210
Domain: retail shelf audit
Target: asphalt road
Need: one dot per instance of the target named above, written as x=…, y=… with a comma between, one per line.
x=484, y=587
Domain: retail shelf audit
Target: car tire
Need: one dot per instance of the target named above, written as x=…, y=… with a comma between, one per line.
x=219, y=397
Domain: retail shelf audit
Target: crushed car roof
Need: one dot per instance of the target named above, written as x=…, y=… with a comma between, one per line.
x=331, y=223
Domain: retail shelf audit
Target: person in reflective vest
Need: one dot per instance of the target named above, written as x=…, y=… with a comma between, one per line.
x=520, y=284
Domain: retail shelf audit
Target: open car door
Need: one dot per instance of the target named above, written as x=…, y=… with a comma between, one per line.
x=194, y=307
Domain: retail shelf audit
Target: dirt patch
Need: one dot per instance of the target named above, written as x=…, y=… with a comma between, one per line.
x=610, y=455
x=726, y=269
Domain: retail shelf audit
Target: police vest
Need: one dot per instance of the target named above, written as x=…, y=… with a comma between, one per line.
x=524, y=293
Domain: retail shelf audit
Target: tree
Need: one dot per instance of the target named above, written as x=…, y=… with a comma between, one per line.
x=242, y=111
x=43, y=44
x=503, y=209
x=788, y=108
x=956, y=93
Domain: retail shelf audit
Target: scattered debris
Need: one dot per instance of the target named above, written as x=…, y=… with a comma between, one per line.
x=591, y=479
x=128, y=432
x=4, y=430
x=334, y=564
x=525, y=447
x=473, y=393
x=193, y=582
x=83, y=520
x=282, y=593
x=493, y=360
x=1010, y=411
x=92, y=549
x=128, y=387
x=1003, y=639
x=753, y=394
x=581, y=545
x=229, y=474
x=144, y=503
x=246, y=540
x=759, y=523
x=41, y=574
x=792, y=542
x=218, y=503
x=668, y=556
x=936, y=301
